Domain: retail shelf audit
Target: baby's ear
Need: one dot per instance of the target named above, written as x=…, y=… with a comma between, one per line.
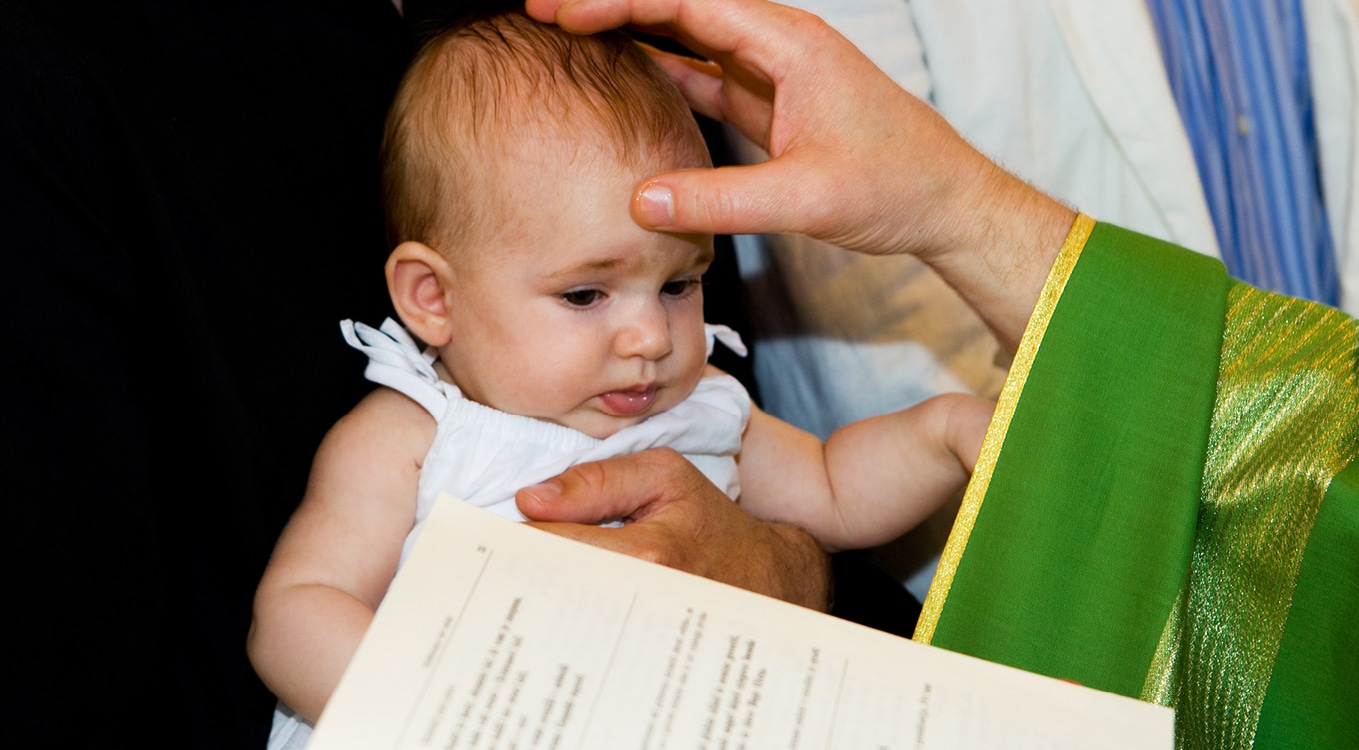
x=419, y=281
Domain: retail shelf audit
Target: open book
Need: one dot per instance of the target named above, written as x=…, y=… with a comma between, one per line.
x=498, y=635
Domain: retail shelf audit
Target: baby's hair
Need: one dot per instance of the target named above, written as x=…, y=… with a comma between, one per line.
x=477, y=87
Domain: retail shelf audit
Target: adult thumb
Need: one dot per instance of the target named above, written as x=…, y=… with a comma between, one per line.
x=728, y=200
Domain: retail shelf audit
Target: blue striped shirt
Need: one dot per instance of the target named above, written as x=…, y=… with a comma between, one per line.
x=1239, y=72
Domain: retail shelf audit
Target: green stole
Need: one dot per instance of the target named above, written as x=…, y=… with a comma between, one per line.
x=1166, y=504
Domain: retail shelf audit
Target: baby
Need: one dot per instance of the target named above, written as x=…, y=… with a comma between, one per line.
x=558, y=332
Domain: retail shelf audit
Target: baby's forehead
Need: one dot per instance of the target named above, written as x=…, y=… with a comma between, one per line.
x=579, y=152
x=544, y=162
x=565, y=197
x=570, y=125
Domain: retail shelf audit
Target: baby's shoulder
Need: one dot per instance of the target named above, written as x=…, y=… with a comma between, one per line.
x=385, y=421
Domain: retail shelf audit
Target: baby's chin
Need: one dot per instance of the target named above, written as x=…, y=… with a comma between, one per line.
x=605, y=427
x=602, y=426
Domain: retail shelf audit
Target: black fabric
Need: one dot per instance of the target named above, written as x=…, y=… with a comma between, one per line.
x=865, y=593
x=188, y=201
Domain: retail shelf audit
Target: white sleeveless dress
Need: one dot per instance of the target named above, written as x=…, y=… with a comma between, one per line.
x=484, y=456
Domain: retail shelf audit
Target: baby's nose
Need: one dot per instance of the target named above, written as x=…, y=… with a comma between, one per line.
x=646, y=333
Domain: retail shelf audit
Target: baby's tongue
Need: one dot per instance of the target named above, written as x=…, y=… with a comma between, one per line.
x=627, y=403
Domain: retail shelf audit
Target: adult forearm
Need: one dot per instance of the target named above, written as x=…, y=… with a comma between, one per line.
x=999, y=257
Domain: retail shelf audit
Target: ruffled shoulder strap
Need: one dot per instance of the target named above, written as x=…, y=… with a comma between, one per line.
x=731, y=339
x=395, y=361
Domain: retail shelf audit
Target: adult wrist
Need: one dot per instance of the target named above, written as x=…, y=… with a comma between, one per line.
x=801, y=572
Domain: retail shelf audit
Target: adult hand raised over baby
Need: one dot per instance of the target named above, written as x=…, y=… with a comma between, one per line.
x=855, y=160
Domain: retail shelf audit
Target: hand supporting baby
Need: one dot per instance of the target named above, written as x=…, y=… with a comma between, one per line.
x=679, y=519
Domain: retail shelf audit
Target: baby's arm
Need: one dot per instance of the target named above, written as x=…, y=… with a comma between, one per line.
x=334, y=561
x=873, y=480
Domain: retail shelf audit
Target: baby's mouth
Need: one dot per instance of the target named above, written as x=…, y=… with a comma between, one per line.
x=630, y=402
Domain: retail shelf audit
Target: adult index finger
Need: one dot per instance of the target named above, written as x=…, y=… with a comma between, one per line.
x=753, y=31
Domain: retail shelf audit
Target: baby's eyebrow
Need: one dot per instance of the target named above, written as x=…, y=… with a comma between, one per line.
x=588, y=266
x=703, y=258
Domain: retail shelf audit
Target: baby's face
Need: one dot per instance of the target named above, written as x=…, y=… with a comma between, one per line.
x=574, y=314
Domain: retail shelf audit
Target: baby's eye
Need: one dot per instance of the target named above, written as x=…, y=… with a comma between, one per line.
x=582, y=297
x=679, y=287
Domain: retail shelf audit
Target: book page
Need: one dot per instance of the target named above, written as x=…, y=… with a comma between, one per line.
x=496, y=635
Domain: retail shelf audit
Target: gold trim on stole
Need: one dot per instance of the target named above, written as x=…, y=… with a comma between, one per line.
x=1000, y=423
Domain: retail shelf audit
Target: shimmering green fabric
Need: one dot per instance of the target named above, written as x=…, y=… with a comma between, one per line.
x=1165, y=518
x=1282, y=428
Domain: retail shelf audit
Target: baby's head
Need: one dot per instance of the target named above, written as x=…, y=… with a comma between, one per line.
x=511, y=154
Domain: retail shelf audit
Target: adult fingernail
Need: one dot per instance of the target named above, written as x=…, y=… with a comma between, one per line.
x=543, y=493
x=656, y=206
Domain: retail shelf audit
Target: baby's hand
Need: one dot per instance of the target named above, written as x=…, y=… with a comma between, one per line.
x=968, y=418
